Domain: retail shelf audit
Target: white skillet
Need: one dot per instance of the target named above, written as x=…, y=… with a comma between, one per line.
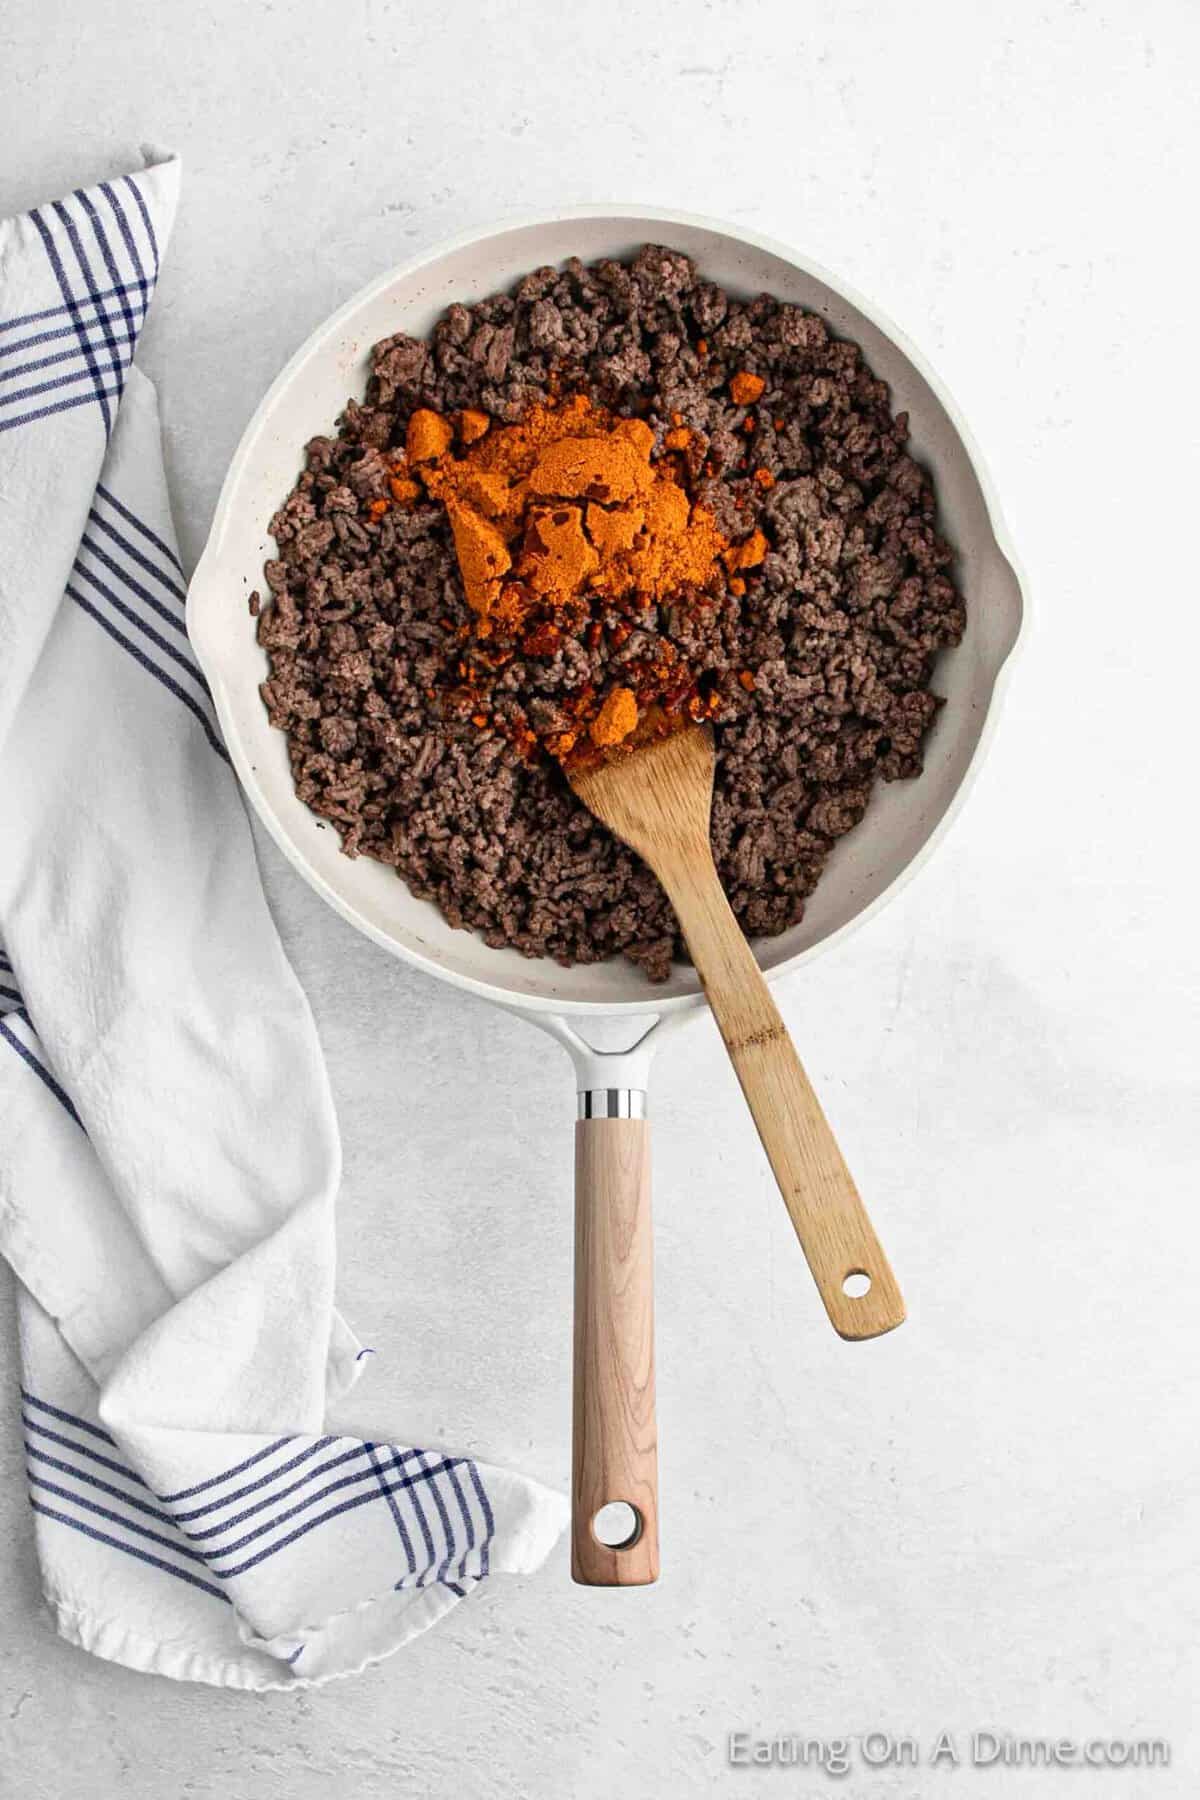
x=607, y=1016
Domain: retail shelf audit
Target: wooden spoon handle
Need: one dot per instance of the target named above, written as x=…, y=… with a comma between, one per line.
x=830, y=1219
x=615, y=1452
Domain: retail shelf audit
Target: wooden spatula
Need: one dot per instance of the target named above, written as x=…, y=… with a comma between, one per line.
x=658, y=799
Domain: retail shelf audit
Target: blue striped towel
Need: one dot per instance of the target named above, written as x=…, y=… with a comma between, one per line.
x=169, y=1157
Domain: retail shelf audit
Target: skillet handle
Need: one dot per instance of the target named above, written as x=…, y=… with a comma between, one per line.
x=615, y=1435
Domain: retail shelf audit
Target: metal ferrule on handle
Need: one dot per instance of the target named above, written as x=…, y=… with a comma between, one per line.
x=611, y=1103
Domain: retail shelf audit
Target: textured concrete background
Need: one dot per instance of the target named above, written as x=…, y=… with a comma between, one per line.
x=989, y=1519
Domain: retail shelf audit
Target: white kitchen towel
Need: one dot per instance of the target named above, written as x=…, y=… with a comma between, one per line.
x=169, y=1157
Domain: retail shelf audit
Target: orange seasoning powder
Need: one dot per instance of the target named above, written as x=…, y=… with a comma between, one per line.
x=562, y=517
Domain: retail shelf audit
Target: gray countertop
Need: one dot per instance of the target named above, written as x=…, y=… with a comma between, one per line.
x=988, y=1520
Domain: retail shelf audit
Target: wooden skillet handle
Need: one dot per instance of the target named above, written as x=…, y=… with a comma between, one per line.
x=615, y=1448
x=830, y=1219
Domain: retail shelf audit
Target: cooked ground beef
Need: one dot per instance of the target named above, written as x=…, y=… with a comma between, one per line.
x=819, y=673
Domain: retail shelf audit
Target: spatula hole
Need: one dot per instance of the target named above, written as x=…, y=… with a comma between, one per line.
x=618, y=1525
x=856, y=1284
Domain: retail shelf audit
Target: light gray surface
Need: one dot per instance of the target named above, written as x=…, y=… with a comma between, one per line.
x=989, y=1519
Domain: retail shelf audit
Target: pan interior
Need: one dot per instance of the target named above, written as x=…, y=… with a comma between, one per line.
x=903, y=816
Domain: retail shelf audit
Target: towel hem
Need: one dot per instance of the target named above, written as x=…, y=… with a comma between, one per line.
x=115, y=1642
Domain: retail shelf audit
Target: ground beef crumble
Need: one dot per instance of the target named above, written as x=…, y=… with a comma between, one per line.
x=819, y=674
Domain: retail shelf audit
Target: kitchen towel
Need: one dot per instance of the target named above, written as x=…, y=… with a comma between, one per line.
x=169, y=1156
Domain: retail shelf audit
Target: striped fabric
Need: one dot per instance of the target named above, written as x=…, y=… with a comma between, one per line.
x=18, y=1035
x=102, y=249
x=213, y=1549
x=243, y=1516
x=10, y=993
x=129, y=581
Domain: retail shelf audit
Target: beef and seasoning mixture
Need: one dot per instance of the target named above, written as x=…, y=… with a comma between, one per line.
x=612, y=501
